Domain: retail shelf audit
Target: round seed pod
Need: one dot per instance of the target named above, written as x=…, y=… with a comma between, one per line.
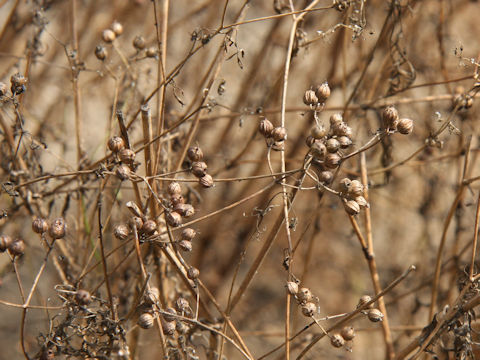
x=332, y=160
x=174, y=188
x=308, y=309
x=169, y=315
x=361, y=201
x=323, y=92
x=325, y=177
x=188, y=233
x=185, y=245
x=194, y=153
x=151, y=52
x=83, y=297
x=279, y=133
x=152, y=295
x=127, y=156
x=176, y=199
x=40, y=226
x=336, y=119
x=58, y=228
x=101, y=52
x=342, y=129
x=351, y=207
x=405, y=126
x=265, y=127
x=17, y=247
x=390, y=117
x=182, y=305
x=116, y=143
x=3, y=89
x=337, y=340
x=304, y=295
x=318, y=149
x=18, y=83
x=318, y=131
x=149, y=227
x=5, y=242
x=139, y=42
x=168, y=327
x=292, y=287
x=123, y=172
x=345, y=185
x=121, y=232
x=173, y=218
x=117, y=28
x=199, y=168
x=186, y=210
x=193, y=273
x=310, y=98
x=356, y=188
x=310, y=140
x=363, y=300
x=145, y=321
x=348, y=333
x=182, y=328
x=108, y=35
x=375, y=315
x=332, y=145
x=135, y=223
x=344, y=141
x=206, y=181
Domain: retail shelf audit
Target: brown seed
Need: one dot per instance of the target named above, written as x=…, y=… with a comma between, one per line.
x=188, y=233
x=174, y=218
x=344, y=141
x=174, y=188
x=405, y=126
x=149, y=227
x=304, y=295
x=127, y=156
x=292, y=287
x=101, y=52
x=375, y=315
x=139, y=42
x=116, y=143
x=309, y=98
x=121, y=232
x=177, y=199
x=145, y=321
x=83, y=297
x=182, y=305
x=17, y=247
x=279, y=134
x=265, y=127
x=182, y=328
x=309, y=309
x=117, y=28
x=348, y=333
x=323, y=92
x=152, y=295
x=356, y=188
x=123, y=172
x=310, y=140
x=108, y=35
x=337, y=341
x=168, y=328
x=151, y=52
x=336, y=119
x=277, y=145
x=363, y=300
x=351, y=207
x=135, y=223
x=390, y=117
x=206, y=181
x=40, y=226
x=326, y=177
x=318, y=131
x=185, y=245
x=193, y=273
x=194, y=153
x=186, y=210
x=170, y=314
x=361, y=201
x=5, y=242
x=332, y=160
x=342, y=129
x=58, y=228
x=332, y=145
x=318, y=149
x=199, y=168
x=18, y=83
x=345, y=185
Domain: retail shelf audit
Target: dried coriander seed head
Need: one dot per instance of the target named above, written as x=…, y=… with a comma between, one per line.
x=318, y=131
x=332, y=145
x=279, y=133
x=323, y=92
x=186, y=210
x=363, y=300
x=58, y=228
x=40, y=226
x=170, y=314
x=174, y=188
x=335, y=119
x=405, y=126
x=344, y=141
x=182, y=305
x=188, y=233
x=304, y=295
x=332, y=160
x=193, y=273
x=151, y=52
x=390, y=117
x=356, y=188
x=116, y=143
x=194, y=153
x=121, y=232
x=17, y=247
x=168, y=327
x=351, y=207
x=18, y=84
x=337, y=340
x=309, y=309
x=152, y=295
x=206, y=181
x=145, y=321
x=310, y=98
x=173, y=218
x=265, y=127
x=199, y=168
x=123, y=172
x=149, y=227
x=185, y=245
x=326, y=177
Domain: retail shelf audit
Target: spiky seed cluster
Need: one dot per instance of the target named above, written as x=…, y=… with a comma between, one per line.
x=326, y=146
x=392, y=121
x=199, y=167
x=351, y=192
